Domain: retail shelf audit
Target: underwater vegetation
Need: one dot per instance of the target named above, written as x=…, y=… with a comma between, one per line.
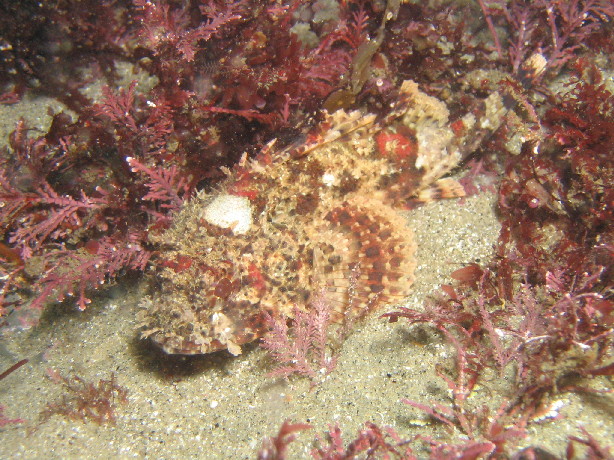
x=219, y=86
x=86, y=401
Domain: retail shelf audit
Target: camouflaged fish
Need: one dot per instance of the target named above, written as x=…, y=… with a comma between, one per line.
x=320, y=215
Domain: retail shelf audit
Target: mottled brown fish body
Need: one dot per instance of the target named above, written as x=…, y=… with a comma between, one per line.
x=321, y=216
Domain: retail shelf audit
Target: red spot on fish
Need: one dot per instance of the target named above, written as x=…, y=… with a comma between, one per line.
x=395, y=144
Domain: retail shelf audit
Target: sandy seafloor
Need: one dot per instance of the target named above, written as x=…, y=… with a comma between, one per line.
x=219, y=406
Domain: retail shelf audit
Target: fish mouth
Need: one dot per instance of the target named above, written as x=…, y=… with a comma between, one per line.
x=219, y=332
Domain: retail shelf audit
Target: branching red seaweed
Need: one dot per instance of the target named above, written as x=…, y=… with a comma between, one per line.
x=87, y=401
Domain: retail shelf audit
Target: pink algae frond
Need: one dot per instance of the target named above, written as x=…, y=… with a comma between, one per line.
x=301, y=349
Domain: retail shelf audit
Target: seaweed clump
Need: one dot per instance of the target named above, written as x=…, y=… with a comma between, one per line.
x=541, y=314
x=87, y=401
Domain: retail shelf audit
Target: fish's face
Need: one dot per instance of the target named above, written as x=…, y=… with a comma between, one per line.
x=209, y=316
x=209, y=286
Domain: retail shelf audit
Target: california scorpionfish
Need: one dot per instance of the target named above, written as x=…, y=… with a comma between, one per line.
x=319, y=215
